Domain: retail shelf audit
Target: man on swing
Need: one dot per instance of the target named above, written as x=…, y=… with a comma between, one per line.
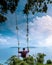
x=23, y=53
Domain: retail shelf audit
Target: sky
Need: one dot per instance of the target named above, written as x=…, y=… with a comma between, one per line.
x=40, y=28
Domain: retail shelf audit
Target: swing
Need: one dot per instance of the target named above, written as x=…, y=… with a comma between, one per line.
x=23, y=53
x=27, y=36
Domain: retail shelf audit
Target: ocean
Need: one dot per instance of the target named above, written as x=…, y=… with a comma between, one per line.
x=6, y=53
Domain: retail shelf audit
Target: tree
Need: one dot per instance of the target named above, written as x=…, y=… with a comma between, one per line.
x=5, y=6
x=36, y=6
x=40, y=58
x=23, y=63
x=29, y=60
x=11, y=5
x=49, y=62
x=13, y=60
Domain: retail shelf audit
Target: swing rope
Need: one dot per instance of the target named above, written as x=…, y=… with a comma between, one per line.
x=27, y=30
x=17, y=32
x=27, y=34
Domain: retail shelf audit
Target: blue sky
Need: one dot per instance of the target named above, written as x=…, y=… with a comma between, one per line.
x=40, y=28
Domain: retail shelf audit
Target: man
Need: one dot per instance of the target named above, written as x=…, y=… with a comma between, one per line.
x=23, y=53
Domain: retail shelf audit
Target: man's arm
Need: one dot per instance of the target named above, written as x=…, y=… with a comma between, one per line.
x=27, y=49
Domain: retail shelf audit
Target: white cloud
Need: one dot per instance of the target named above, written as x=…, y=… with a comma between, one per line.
x=42, y=24
x=7, y=41
x=41, y=31
x=46, y=42
x=2, y=40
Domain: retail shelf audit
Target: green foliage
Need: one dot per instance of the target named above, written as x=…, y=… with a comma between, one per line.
x=2, y=18
x=29, y=60
x=49, y=62
x=13, y=60
x=26, y=10
x=40, y=58
x=16, y=61
x=5, y=6
x=31, y=5
x=36, y=6
x=39, y=64
x=23, y=63
x=8, y=5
